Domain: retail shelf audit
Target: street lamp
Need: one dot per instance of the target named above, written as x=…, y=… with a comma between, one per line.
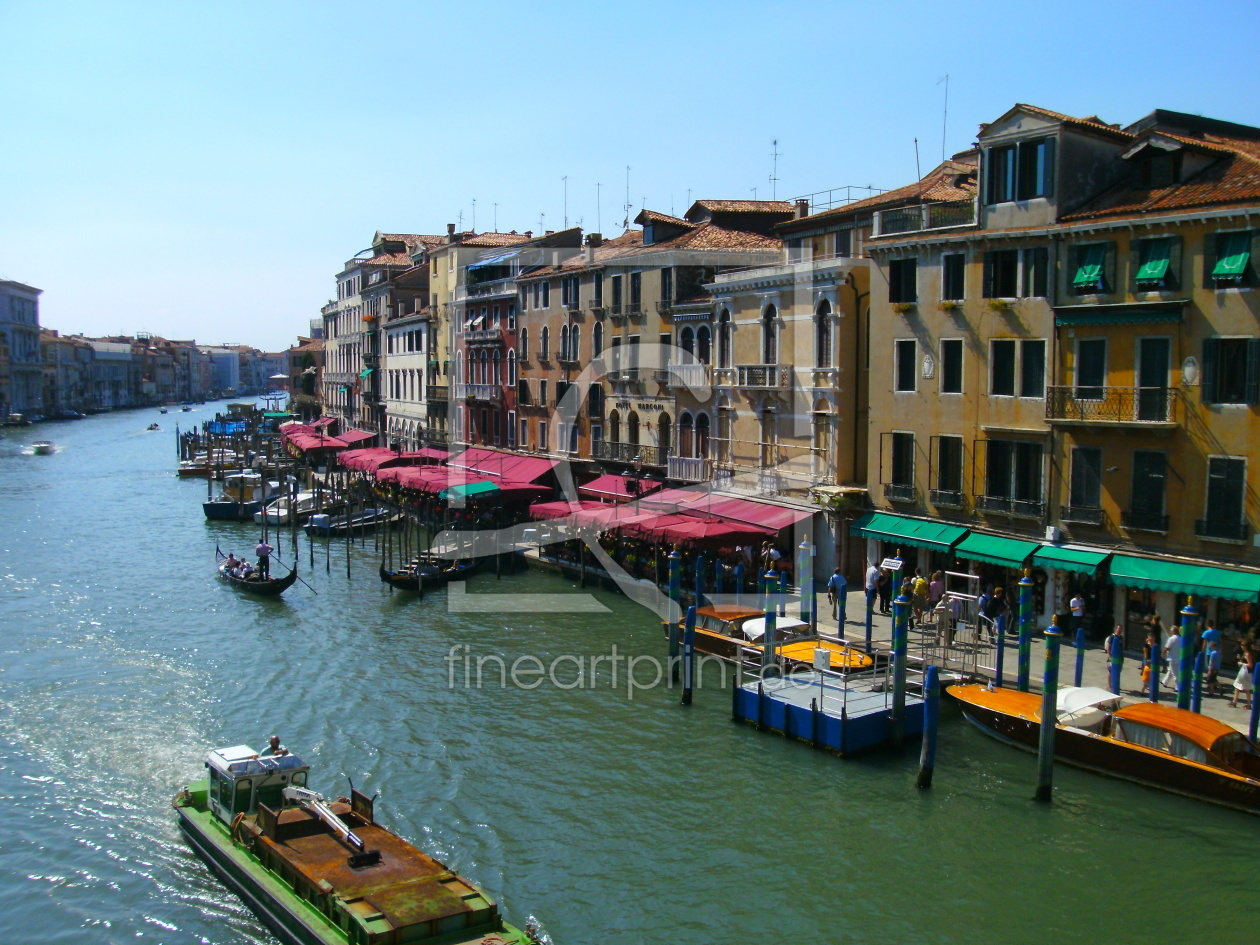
x=632, y=486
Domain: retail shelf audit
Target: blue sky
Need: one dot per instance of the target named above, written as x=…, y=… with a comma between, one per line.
x=202, y=170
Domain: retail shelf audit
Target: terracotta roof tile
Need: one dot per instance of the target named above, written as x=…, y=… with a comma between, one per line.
x=495, y=239
x=1092, y=123
x=387, y=259
x=746, y=206
x=951, y=180
x=607, y=250
x=651, y=216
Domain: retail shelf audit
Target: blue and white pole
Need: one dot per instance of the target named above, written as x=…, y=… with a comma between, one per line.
x=1185, y=666
x=675, y=591
x=768, y=642
x=689, y=655
x=805, y=580
x=931, y=718
x=1079, y=643
x=1049, y=713
x=1025, y=632
x=901, y=644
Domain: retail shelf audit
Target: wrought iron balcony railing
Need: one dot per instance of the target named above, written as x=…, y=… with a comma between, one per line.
x=768, y=376
x=1082, y=515
x=900, y=492
x=626, y=452
x=1225, y=530
x=946, y=499
x=1088, y=404
x=1144, y=520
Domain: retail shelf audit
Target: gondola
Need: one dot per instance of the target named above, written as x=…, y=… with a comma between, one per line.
x=270, y=587
x=428, y=571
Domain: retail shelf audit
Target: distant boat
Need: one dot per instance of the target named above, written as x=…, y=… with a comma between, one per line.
x=264, y=587
x=153, y=427
x=243, y=494
x=43, y=448
x=304, y=505
x=186, y=408
x=161, y=410
x=358, y=523
x=428, y=571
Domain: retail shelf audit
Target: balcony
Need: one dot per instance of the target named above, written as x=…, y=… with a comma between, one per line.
x=624, y=375
x=1082, y=515
x=437, y=392
x=688, y=375
x=900, y=492
x=946, y=499
x=763, y=376
x=824, y=378
x=1143, y=407
x=1018, y=508
x=488, y=392
x=1217, y=530
x=596, y=306
x=483, y=336
x=486, y=290
x=688, y=469
x=573, y=306
x=1144, y=520
x=616, y=311
x=664, y=306
x=927, y=216
x=626, y=452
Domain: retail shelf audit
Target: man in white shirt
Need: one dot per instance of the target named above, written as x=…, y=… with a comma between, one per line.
x=1172, y=653
x=872, y=585
x=1077, y=606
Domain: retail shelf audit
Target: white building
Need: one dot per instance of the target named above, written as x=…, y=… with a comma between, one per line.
x=19, y=324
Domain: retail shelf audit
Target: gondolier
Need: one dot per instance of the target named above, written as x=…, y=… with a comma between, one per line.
x=264, y=550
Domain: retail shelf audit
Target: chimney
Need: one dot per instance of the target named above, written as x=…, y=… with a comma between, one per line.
x=802, y=207
x=549, y=233
x=450, y=232
x=592, y=240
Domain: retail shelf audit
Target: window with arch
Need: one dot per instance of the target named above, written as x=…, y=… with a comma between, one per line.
x=497, y=379
x=485, y=367
x=821, y=458
x=511, y=359
x=687, y=340
x=564, y=342
x=632, y=428
x=822, y=335
x=704, y=344
x=575, y=337
x=544, y=343
x=614, y=426
x=769, y=336
x=597, y=340
x=702, y=435
x=686, y=430
x=724, y=339
x=663, y=438
x=522, y=344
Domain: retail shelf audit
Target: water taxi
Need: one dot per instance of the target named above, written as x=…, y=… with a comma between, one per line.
x=43, y=448
x=242, y=497
x=733, y=632
x=324, y=872
x=304, y=505
x=1150, y=743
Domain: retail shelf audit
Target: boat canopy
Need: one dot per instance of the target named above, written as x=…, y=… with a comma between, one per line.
x=1073, y=700
x=241, y=761
x=1202, y=730
x=755, y=629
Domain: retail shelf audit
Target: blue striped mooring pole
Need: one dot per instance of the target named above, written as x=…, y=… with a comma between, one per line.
x=900, y=641
x=805, y=580
x=699, y=577
x=783, y=590
x=931, y=717
x=1115, y=662
x=1049, y=713
x=999, y=670
x=870, y=617
x=689, y=654
x=1025, y=631
x=1254, y=724
x=1185, y=666
x=1196, y=694
x=675, y=592
x=768, y=638
x=739, y=583
x=1079, y=643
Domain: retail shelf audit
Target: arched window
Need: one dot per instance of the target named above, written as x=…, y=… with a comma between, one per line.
x=523, y=344
x=704, y=344
x=724, y=339
x=687, y=340
x=769, y=440
x=564, y=342
x=614, y=426
x=726, y=423
x=769, y=336
x=497, y=378
x=685, y=435
x=632, y=428
x=544, y=345
x=662, y=434
x=822, y=335
x=702, y=435
x=511, y=369
x=575, y=337
x=597, y=340
x=485, y=367
x=459, y=367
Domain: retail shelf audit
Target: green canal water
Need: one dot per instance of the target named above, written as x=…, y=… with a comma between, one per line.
x=613, y=820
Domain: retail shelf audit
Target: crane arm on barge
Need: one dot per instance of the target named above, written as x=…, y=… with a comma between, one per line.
x=315, y=803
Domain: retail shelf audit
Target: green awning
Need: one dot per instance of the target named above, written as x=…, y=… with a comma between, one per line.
x=1070, y=559
x=1089, y=272
x=1118, y=315
x=994, y=549
x=1234, y=255
x=1153, y=263
x=365, y=373
x=275, y=414
x=466, y=489
x=938, y=536
x=1154, y=574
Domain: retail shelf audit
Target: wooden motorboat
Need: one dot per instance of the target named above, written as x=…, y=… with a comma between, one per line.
x=303, y=506
x=737, y=633
x=1149, y=743
x=265, y=587
x=43, y=448
x=243, y=495
x=319, y=871
x=359, y=523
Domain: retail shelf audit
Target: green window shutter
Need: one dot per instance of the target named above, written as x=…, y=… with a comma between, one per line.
x=1253, y=371
x=1233, y=254
x=1207, y=382
x=1047, y=171
x=988, y=275
x=1090, y=270
x=1154, y=260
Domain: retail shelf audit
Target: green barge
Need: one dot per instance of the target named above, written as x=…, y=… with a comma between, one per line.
x=322, y=872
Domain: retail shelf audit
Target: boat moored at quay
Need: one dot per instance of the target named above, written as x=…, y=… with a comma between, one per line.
x=325, y=872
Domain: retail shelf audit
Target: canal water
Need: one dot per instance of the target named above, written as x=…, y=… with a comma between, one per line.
x=612, y=819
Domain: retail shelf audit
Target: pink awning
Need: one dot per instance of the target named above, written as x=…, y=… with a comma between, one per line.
x=542, y=511
x=702, y=503
x=381, y=457
x=522, y=490
x=307, y=442
x=324, y=422
x=619, y=488
x=355, y=436
x=498, y=465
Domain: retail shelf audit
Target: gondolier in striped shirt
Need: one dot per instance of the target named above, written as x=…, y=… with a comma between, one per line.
x=264, y=550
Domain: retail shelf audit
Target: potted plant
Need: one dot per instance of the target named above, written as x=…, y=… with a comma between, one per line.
x=999, y=305
x=950, y=306
x=902, y=307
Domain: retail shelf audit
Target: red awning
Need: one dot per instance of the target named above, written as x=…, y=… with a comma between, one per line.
x=498, y=465
x=542, y=511
x=355, y=436
x=324, y=422
x=308, y=442
x=420, y=478
x=514, y=491
x=381, y=457
x=610, y=517
x=702, y=503
x=619, y=488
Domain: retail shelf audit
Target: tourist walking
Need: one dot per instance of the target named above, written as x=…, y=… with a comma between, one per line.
x=1150, y=657
x=1115, y=655
x=883, y=587
x=1213, y=666
x=1246, y=670
x=1172, y=655
x=872, y=585
x=837, y=589
x=1077, y=606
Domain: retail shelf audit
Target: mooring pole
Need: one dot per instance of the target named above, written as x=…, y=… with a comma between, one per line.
x=689, y=654
x=1025, y=631
x=1188, y=650
x=783, y=591
x=900, y=642
x=768, y=639
x=699, y=577
x=1254, y=724
x=805, y=581
x=870, y=616
x=717, y=577
x=1115, y=662
x=1196, y=695
x=999, y=630
x=675, y=581
x=1049, y=713
x=739, y=582
x=1079, y=643
x=931, y=716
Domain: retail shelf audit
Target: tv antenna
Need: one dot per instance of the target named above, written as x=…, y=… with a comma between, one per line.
x=625, y=224
x=474, y=215
x=565, y=178
x=599, y=210
x=774, y=170
x=945, y=114
x=496, y=218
